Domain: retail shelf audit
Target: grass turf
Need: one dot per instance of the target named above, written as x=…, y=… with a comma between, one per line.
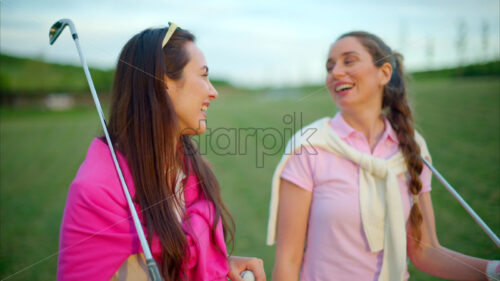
x=40, y=152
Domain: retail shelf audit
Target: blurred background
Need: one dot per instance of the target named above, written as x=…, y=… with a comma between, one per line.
x=267, y=60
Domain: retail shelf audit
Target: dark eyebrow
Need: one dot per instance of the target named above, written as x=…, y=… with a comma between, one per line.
x=343, y=54
x=349, y=53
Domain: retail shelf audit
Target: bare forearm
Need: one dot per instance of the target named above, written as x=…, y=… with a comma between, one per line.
x=285, y=272
x=445, y=263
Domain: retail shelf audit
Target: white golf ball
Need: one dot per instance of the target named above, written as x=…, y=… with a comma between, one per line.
x=247, y=275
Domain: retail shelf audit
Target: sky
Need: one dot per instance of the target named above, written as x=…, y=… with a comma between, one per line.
x=258, y=43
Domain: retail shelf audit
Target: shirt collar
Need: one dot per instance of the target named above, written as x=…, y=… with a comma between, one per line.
x=389, y=132
x=340, y=126
x=344, y=130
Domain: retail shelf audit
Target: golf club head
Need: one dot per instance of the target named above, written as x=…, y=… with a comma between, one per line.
x=58, y=27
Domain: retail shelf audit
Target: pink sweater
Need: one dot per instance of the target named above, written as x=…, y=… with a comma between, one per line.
x=98, y=235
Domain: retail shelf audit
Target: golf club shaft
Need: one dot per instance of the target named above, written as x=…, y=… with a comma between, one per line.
x=464, y=204
x=153, y=269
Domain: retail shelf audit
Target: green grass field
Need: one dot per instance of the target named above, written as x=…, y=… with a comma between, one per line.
x=41, y=151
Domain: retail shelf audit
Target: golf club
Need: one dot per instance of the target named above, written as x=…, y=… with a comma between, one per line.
x=54, y=33
x=464, y=204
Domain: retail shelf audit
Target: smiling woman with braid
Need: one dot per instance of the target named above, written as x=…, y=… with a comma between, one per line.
x=352, y=201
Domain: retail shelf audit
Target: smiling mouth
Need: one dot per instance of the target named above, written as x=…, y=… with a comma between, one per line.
x=343, y=88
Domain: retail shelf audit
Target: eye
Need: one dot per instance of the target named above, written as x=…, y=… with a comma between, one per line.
x=329, y=67
x=349, y=60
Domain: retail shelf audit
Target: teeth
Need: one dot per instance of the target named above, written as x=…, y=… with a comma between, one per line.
x=204, y=108
x=343, y=87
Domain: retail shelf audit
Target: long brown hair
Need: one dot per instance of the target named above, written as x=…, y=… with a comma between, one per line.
x=398, y=112
x=144, y=127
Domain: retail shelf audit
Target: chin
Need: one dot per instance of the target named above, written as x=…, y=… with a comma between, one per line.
x=202, y=127
x=196, y=129
x=344, y=101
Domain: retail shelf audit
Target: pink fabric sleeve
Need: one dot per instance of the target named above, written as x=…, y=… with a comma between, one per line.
x=96, y=234
x=298, y=170
x=205, y=260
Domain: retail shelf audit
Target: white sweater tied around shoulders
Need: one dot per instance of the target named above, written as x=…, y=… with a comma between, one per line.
x=380, y=199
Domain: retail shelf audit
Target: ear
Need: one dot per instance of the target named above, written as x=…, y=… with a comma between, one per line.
x=385, y=72
x=170, y=85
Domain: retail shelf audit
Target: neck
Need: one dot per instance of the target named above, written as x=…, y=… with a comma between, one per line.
x=368, y=122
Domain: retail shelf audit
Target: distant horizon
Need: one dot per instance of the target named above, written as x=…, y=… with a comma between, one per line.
x=260, y=43
x=224, y=81
x=42, y=59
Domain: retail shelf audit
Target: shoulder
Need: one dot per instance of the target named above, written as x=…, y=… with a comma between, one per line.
x=96, y=233
x=97, y=181
x=419, y=138
x=319, y=124
x=308, y=136
x=424, y=151
x=305, y=149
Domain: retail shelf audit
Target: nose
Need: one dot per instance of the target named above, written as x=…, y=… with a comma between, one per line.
x=212, y=92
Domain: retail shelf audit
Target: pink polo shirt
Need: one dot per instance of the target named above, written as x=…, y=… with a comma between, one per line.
x=336, y=246
x=98, y=235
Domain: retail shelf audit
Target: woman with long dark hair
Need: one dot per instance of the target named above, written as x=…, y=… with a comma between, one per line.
x=161, y=93
x=354, y=196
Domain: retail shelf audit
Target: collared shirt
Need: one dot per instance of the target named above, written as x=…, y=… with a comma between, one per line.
x=336, y=246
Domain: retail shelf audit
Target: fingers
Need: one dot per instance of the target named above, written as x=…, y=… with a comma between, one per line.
x=234, y=275
x=256, y=265
x=239, y=264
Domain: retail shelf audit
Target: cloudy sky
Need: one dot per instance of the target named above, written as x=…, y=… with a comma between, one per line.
x=257, y=43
